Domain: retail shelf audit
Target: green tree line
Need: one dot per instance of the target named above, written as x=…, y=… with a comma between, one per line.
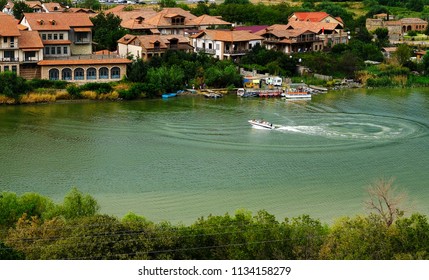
x=32, y=226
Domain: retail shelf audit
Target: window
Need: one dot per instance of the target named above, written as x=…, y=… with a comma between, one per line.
x=4, y=39
x=47, y=50
x=58, y=50
x=66, y=74
x=52, y=50
x=91, y=73
x=78, y=74
x=43, y=36
x=55, y=36
x=54, y=74
x=65, y=50
x=49, y=36
x=14, y=69
x=61, y=36
x=6, y=68
x=103, y=73
x=115, y=73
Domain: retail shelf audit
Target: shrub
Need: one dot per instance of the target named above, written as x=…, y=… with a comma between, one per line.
x=74, y=91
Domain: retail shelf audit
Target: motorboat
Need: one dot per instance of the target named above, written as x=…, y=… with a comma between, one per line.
x=261, y=124
x=296, y=94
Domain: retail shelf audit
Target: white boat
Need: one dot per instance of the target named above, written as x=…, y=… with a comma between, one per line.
x=261, y=124
x=299, y=94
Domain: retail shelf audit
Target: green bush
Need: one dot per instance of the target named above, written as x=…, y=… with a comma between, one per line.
x=380, y=82
x=74, y=91
x=99, y=88
x=41, y=83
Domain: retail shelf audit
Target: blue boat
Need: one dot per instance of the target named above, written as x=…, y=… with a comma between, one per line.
x=168, y=95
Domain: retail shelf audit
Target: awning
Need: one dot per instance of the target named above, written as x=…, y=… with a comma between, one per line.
x=31, y=50
x=82, y=29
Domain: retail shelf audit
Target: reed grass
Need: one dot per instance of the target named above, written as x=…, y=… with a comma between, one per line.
x=34, y=97
x=89, y=94
x=6, y=100
x=109, y=96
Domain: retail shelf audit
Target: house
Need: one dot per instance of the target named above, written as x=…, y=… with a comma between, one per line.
x=63, y=34
x=9, y=44
x=172, y=21
x=314, y=17
x=225, y=44
x=30, y=53
x=67, y=49
x=397, y=28
x=331, y=33
x=147, y=46
x=280, y=38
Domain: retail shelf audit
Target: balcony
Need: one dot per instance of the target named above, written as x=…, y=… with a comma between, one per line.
x=9, y=59
x=209, y=51
x=237, y=52
x=30, y=60
x=82, y=41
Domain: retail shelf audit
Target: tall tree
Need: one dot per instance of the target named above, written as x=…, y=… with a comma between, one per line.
x=107, y=31
x=19, y=8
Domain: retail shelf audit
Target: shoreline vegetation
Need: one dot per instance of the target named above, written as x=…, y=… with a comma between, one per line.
x=33, y=227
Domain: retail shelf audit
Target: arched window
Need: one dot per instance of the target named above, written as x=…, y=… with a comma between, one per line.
x=79, y=74
x=54, y=74
x=91, y=73
x=103, y=73
x=115, y=73
x=66, y=74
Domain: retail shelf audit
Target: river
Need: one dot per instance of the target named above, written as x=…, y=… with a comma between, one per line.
x=187, y=157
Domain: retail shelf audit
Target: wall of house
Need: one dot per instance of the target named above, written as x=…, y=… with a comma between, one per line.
x=125, y=50
x=123, y=68
x=81, y=49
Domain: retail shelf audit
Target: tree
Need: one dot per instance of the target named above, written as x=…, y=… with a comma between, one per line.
x=359, y=238
x=91, y=4
x=77, y=205
x=385, y=201
x=167, y=3
x=403, y=53
x=107, y=31
x=19, y=8
x=382, y=37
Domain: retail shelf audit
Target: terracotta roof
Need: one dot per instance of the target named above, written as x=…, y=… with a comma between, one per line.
x=206, y=20
x=162, y=17
x=56, y=21
x=8, y=26
x=310, y=16
x=412, y=21
x=229, y=35
x=134, y=14
x=314, y=26
x=59, y=62
x=80, y=10
x=33, y=4
x=136, y=24
x=53, y=7
x=148, y=41
x=30, y=40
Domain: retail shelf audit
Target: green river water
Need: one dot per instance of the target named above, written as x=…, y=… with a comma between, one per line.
x=187, y=157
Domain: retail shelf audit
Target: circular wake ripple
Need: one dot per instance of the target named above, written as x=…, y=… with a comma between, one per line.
x=358, y=126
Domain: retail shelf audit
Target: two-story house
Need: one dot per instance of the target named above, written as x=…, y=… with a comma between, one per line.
x=67, y=51
x=147, y=46
x=225, y=44
x=9, y=46
x=280, y=38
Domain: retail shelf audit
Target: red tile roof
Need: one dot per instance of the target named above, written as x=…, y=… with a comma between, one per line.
x=89, y=61
x=56, y=21
x=30, y=40
x=310, y=16
x=8, y=26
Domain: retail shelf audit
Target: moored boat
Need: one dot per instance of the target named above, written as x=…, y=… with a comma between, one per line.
x=296, y=94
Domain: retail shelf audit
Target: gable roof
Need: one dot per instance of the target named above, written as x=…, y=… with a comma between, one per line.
x=148, y=41
x=229, y=35
x=53, y=7
x=314, y=26
x=56, y=21
x=207, y=20
x=310, y=16
x=30, y=40
x=8, y=26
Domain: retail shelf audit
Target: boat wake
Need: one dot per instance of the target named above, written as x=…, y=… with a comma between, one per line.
x=376, y=129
